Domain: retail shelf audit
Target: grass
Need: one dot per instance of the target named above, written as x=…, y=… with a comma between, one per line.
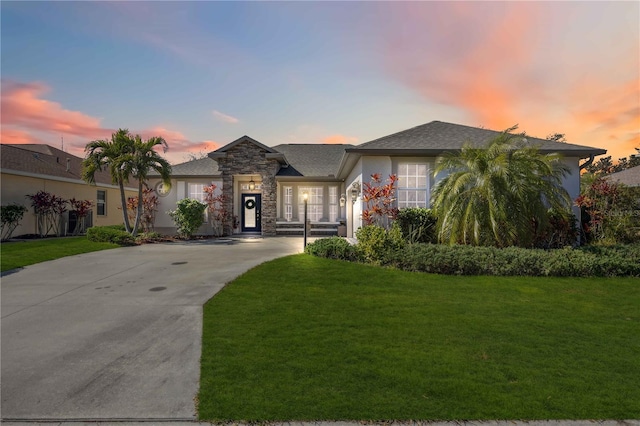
x=23, y=253
x=306, y=338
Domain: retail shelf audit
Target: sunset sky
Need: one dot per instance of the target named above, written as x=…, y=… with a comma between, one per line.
x=202, y=74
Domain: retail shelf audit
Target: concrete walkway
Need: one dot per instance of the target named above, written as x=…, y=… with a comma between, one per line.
x=116, y=334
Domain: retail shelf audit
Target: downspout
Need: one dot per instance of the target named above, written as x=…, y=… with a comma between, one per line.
x=588, y=162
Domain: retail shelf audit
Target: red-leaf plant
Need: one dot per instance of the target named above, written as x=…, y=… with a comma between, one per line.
x=149, y=209
x=49, y=210
x=82, y=209
x=380, y=202
x=216, y=211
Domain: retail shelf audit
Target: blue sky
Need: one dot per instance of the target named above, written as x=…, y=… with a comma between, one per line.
x=202, y=74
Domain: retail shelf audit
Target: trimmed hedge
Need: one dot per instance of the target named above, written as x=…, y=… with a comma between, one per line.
x=566, y=262
x=110, y=234
x=380, y=248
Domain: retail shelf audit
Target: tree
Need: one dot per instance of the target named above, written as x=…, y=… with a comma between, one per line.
x=126, y=156
x=499, y=194
x=114, y=155
x=143, y=160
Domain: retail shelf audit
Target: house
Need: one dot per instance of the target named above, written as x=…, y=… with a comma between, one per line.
x=27, y=169
x=629, y=177
x=264, y=186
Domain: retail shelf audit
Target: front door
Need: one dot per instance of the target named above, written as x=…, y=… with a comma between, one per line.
x=251, y=206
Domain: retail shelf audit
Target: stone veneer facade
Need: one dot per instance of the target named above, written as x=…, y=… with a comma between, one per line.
x=246, y=158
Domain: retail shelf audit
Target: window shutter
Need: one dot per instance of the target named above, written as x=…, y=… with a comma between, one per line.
x=181, y=192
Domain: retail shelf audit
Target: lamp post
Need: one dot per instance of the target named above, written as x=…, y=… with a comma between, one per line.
x=305, y=196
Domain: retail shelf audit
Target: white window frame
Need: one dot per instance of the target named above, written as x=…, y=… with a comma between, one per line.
x=101, y=203
x=333, y=204
x=315, y=206
x=196, y=191
x=412, y=184
x=287, y=197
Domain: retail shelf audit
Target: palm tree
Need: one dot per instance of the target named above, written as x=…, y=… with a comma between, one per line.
x=498, y=195
x=143, y=160
x=112, y=155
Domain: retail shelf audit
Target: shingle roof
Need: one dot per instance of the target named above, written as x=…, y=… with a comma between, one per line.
x=629, y=177
x=201, y=167
x=313, y=160
x=45, y=160
x=438, y=136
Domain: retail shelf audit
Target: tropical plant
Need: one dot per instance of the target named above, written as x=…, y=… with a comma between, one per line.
x=49, y=209
x=149, y=209
x=379, y=199
x=499, y=194
x=417, y=224
x=217, y=214
x=611, y=212
x=143, y=160
x=12, y=215
x=115, y=155
x=188, y=216
x=126, y=156
x=82, y=209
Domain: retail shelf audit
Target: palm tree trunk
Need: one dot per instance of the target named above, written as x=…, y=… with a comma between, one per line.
x=123, y=200
x=139, y=209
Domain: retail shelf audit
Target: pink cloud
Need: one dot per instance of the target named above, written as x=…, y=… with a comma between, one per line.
x=340, y=139
x=494, y=62
x=23, y=106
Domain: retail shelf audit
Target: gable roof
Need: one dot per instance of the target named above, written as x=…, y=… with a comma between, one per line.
x=436, y=137
x=201, y=167
x=629, y=177
x=244, y=138
x=46, y=161
x=311, y=160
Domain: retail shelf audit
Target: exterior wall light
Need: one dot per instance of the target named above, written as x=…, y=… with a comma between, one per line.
x=252, y=184
x=343, y=200
x=355, y=191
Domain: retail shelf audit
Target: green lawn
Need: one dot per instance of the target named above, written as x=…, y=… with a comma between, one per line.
x=22, y=253
x=305, y=338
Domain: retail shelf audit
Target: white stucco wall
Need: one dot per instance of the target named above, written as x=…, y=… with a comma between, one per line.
x=179, y=190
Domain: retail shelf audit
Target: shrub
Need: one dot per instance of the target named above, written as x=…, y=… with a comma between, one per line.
x=332, y=248
x=148, y=237
x=566, y=262
x=11, y=217
x=561, y=231
x=418, y=225
x=188, y=216
x=109, y=234
x=375, y=243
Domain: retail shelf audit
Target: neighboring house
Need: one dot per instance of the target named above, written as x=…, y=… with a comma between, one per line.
x=27, y=169
x=629, y=177
x=264, y=185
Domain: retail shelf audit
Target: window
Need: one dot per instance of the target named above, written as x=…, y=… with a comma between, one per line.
x=314, y=203
x=333, y=204
x=101, y=205
x=412, y=185
x=288, y=203
x=196, y=191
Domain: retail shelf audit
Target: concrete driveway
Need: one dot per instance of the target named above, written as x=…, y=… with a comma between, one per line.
x=116, y=334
